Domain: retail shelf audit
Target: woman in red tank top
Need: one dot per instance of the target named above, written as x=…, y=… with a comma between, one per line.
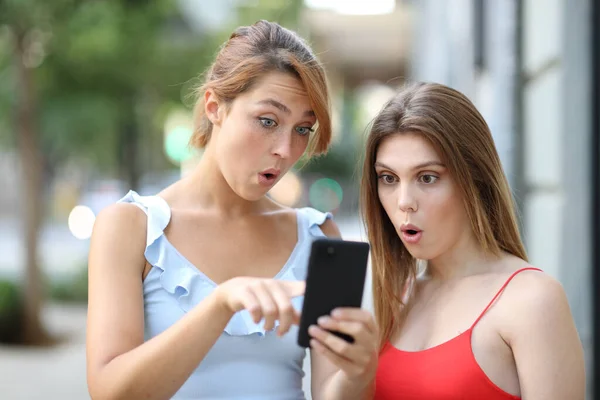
x=461, y=314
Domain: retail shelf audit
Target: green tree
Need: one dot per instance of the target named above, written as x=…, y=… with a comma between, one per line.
x=80, y=80
x=116, y=64
x=25, y=21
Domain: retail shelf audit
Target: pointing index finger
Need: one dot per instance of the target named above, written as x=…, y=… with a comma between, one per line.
x=293, y=288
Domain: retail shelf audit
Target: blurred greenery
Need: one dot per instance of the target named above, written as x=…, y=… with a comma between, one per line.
x=343, y=158
x=79, y=83
x=70, y=289
x=100, y=75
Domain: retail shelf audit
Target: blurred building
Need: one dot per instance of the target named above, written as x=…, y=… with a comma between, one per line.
x=528, y=66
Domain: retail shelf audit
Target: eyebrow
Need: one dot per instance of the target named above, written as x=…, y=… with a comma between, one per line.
x=283, y=107
x=420, y=166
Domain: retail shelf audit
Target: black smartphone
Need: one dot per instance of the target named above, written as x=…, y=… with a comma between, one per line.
x=336, y=275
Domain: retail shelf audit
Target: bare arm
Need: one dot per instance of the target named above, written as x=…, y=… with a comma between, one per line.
x=119, y=364
x=328, y=380
x=544, y=341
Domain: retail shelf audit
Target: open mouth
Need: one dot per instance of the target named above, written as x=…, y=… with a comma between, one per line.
x=268, y=177
x=411, y=234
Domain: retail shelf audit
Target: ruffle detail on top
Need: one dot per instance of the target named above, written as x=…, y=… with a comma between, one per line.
x=190, y=286
x=314, y=220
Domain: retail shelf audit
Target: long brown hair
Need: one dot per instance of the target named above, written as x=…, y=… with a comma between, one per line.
x=452, y=124
x=253, y=51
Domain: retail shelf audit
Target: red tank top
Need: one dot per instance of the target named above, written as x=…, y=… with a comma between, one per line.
x=448, y=371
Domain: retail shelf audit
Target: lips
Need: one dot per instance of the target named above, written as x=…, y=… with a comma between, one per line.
x=410, y=233
x=269, y=176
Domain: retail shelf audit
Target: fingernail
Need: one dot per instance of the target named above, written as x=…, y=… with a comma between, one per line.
x=337, y=312
x=323, y=320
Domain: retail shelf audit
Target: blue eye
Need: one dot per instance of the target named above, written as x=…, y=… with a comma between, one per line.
x=267, y=122
x=303, y=130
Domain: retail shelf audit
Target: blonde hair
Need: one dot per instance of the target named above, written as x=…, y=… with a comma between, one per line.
x=452, y=124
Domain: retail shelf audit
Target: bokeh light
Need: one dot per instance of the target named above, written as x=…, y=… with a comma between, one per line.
x=325, y=194
x=176, y=144
x=178, y=130
x=353, y=7
x=81, y=222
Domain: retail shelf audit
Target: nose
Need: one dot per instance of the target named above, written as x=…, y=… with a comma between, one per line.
x=282, y=146
x=407, y=201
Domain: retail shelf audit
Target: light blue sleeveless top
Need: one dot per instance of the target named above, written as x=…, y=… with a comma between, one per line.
x=246, y=362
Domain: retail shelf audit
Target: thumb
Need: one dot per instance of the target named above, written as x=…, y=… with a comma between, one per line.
x=294, y=288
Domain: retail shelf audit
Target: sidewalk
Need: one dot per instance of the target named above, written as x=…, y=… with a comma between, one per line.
x=56, y=373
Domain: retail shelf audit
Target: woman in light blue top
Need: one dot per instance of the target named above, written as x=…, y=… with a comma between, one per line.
x=194, y=293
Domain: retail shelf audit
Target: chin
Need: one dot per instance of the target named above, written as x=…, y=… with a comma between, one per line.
x=419, y=252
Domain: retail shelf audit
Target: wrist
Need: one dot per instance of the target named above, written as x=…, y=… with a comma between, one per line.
x=341, y=386
x=354, y=383
x=219, y=303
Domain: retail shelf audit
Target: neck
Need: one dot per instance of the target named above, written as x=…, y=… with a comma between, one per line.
x=466, y=258
x=206, y=187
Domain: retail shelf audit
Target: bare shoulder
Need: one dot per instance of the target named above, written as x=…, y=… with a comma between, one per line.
x=535, y=288
x=538, y=326
x=535, y=301
x=530, y=284
x=119, y=232
x=121, y=214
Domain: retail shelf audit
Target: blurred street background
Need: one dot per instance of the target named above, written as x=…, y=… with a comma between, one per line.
x=96, y=99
